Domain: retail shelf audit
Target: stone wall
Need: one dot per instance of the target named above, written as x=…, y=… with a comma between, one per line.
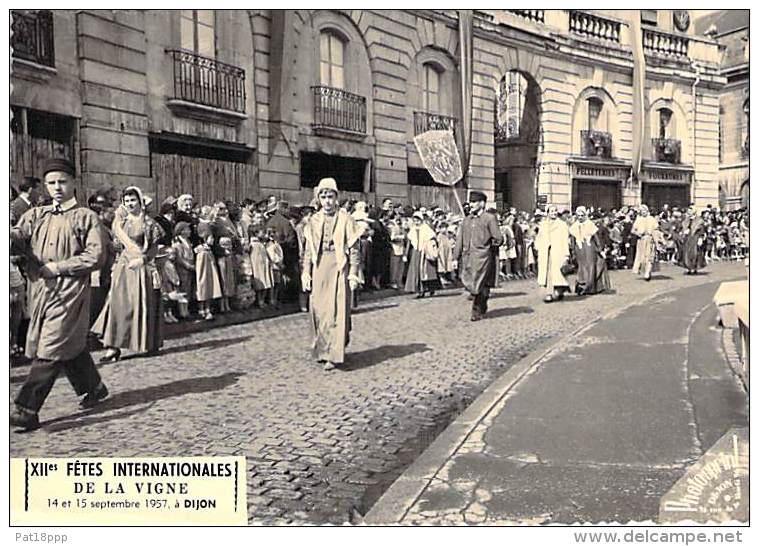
x=122, y=77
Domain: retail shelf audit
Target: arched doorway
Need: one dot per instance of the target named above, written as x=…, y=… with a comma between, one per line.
x=517, y=140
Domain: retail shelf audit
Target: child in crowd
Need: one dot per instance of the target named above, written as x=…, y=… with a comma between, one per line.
x=227, y=273
x=185, y=263
x=276, y=259
x=445, y=254
x=261, y=279
x=207, y=281
x=171, y=286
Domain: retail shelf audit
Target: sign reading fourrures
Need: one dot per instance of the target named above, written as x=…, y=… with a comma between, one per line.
x=128, y=491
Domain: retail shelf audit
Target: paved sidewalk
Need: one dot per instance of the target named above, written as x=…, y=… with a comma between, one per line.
x=597, y=429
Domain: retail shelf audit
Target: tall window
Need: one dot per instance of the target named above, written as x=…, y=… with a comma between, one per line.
x=665, y=117
x=595, y=105
x=431, y=90
x=512, y=96
x=332, y=57
x=197, y=31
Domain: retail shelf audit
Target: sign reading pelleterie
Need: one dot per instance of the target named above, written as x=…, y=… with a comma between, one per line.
x=600, y=172
x=129, y=491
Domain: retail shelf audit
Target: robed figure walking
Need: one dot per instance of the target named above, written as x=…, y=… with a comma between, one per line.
x=592, y=276
x=645, y=228
x=552, y=244
x=330, y=271
x=476, y=251
x=692, y=234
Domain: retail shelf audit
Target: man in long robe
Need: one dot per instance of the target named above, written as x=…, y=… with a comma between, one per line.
x=476, y=249
x=592, y=276
x=552, y=244
x=63, y=243
x=692, y=236
x=330, y=271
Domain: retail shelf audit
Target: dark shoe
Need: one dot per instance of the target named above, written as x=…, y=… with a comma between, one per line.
x=475, y=318
x=92, y=399
x=22, y=418
x=113, y=355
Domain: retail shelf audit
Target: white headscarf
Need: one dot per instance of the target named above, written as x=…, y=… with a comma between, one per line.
x=119, y=223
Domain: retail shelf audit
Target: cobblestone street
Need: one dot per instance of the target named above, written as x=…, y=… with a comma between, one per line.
x=321, y=446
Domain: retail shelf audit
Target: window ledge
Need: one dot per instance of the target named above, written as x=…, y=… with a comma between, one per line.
x=334, y=132
x=202, y=112
x=29, y=70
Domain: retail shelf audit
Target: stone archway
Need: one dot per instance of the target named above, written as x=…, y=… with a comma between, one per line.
x=517, y=139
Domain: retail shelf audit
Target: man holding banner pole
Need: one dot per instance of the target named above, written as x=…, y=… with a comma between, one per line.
x=476, y=242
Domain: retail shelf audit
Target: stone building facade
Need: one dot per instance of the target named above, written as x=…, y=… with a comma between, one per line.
x=730, y=29
x=229, y=104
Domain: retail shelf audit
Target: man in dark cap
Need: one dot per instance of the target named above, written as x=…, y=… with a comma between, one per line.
x=64, y=244
x=27, y=196
x=477, y=243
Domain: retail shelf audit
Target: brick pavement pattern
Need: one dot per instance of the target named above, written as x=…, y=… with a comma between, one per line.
x=321, y=446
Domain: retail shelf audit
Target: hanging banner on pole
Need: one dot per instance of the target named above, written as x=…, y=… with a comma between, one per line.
x=440, y=156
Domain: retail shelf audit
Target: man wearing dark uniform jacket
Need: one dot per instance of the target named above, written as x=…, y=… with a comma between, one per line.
x=477, y=243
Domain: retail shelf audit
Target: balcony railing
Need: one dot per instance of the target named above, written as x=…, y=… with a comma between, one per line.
x=593, y=26
x=426, y=121
x=32, y=38
x=206, y=81
x=535, y=15
x=596, y=144
x=664, y=43
x=338, y=109
x=666, y=150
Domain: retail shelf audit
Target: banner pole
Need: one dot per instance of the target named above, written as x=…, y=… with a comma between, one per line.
x=458, y=199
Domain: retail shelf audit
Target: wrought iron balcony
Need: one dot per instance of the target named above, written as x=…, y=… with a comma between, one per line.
x=32, y=38
x=536, y=15
x=338, y=109
x=427, y=121
x=593, y=26
x=666, y=150
x=208, y=82
x=596, y=144
x=664, y=43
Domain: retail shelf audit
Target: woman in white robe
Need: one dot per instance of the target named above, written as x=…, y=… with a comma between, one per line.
x=552, y=244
